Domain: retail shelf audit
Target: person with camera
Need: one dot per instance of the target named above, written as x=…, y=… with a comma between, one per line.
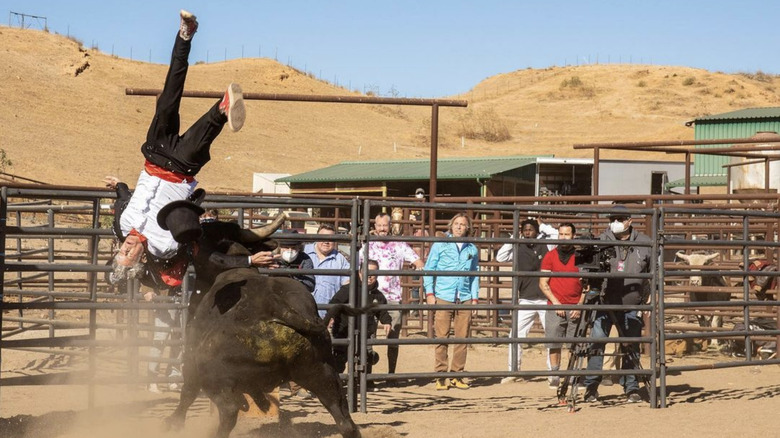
x=560, y=290
x=621, y=291
x=529, y=259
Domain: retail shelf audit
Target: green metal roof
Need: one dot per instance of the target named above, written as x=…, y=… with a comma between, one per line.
x=447, y=169
x=699, y=181
x=743, y=114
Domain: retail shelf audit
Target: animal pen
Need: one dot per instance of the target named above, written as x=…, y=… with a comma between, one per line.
x=56, y=302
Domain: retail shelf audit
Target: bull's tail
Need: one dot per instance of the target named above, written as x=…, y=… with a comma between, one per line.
x=346, y=309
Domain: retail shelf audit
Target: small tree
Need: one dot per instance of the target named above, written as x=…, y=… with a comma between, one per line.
x=4, y=160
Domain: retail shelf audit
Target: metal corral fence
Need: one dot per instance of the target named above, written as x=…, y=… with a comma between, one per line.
x=56, y=302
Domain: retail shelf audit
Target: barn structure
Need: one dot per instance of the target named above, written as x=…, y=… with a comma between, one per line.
x=538, y=175
x=712, y=170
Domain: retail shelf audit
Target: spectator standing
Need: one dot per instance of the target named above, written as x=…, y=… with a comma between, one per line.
x=529, y=259
x=340, y=327
x=391, y=256
x=325, y=255
x=625, y=291
x=290, y=255
x=452, y=256
x=560, y=290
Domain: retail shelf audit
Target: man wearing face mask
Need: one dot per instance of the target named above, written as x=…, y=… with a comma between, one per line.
x=291, y=256
x=625, y=291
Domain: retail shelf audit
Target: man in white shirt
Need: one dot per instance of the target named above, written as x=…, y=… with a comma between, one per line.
x=172, y=161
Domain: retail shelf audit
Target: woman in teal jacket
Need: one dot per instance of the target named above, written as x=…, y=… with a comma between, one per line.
x=452, y=256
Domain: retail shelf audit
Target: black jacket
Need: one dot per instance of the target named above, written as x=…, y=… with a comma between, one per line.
x=303, y=261
x=340, y=324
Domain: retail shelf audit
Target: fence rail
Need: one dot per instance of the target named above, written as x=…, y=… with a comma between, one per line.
x=57, y=242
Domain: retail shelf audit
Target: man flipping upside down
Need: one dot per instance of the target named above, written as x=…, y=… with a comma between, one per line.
x=172, y=161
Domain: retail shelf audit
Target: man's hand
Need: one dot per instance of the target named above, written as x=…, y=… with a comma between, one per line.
x=430, y=299
x=387, y=328
x=111, y=181
x=149, y=296
x=262, y=259
x=575, y=314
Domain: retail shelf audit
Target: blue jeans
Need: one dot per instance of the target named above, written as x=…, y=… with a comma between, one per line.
x=631, y=325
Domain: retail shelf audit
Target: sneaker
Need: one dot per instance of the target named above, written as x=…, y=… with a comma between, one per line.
x=459, y=383
x=506, y=380
x=554, y=382
x=153, y=388
x=442, y=385
x=232, y=106
x=591, y=396
x=188, y=26
x=173, y=387
x=633, y=397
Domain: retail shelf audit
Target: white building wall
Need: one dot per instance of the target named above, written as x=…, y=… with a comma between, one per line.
x=623, y=177
x=264, y=182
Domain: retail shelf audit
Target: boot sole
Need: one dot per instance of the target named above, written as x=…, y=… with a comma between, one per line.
x=236, y=113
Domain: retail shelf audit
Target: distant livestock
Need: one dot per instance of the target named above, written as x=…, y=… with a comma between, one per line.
x=714, y=280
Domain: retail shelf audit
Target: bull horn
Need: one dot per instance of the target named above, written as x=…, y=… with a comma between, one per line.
x=683, y=255
x=262, y=233
x=713, y=256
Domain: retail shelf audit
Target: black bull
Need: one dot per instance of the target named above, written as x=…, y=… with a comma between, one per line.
x=249, y=334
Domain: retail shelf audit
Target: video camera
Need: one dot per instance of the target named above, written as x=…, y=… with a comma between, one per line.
x=594, y=258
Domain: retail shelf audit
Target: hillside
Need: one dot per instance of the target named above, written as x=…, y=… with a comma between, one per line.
x=66, y=122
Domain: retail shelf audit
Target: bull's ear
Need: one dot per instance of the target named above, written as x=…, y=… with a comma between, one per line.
x=683, y=256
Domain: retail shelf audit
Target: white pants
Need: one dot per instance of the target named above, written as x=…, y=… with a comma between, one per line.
x=525, y=319
x=165, y=319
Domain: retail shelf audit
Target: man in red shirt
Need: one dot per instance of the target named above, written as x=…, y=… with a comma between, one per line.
x=560, y=290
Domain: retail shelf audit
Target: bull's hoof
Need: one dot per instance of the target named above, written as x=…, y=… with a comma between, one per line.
x=173, y=423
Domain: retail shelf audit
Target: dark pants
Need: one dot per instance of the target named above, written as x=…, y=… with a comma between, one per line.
x=341, y=357
x=631, y=326
x=164, y=147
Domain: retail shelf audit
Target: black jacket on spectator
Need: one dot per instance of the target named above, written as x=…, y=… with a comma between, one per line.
x=340, y=324
x=303, y=261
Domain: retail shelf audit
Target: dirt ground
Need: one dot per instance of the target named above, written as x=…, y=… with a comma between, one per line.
x=722, y=402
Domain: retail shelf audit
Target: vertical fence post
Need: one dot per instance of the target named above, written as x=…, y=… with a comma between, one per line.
x=655, y=283
x=514, y=347
x=94, y=243
x=3, y=232
x=660, y=236
x=363, y=335
x=51, y=274
x=745, y=265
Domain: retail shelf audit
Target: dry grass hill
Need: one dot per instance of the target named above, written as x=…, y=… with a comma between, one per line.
x=65, y=118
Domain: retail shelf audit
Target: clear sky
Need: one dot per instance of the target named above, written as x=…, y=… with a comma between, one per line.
x=429, y=48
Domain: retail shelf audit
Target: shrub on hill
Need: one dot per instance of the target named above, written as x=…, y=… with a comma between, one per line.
x=483, y=124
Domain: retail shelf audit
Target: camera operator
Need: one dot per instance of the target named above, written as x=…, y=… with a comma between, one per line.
x=625, y=291
x=560, y=290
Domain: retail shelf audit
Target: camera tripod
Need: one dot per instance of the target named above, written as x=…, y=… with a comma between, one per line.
x=579, y=351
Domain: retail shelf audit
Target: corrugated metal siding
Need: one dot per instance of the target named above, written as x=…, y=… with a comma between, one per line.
x=707, y=165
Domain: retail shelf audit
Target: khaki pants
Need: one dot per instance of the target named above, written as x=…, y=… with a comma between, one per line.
x=441, y=328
